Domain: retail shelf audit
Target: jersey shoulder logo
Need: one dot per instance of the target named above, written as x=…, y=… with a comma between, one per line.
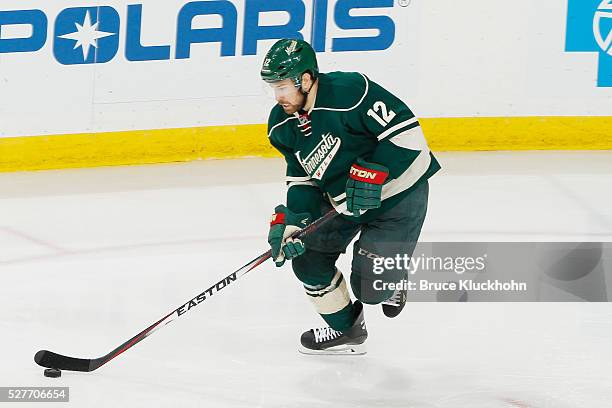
x=317, y=162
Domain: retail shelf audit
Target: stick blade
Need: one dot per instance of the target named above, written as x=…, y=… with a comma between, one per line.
x=49, y=359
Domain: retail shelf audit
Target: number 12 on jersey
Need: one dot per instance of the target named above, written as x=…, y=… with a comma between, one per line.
x=385, y=117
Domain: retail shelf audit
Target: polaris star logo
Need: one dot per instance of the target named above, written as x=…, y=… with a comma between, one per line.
x=589, y=29
x=317, y=162
x=86, y=35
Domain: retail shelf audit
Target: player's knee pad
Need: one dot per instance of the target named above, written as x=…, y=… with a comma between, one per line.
x=332, y=298
x=314, y=268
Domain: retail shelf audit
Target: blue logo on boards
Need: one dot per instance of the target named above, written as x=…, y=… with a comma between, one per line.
x=589, y=29
x=93, y=35
x=86, y=35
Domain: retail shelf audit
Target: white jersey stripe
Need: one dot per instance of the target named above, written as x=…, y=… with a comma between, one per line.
x=412, y=139
x=397, y=127
x=291, y=178
x=301, y=183
x=408, y=178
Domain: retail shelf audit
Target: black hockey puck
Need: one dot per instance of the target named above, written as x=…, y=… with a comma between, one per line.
x=53, y=373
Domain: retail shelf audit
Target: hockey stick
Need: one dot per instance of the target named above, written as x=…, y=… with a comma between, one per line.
x=50, y=359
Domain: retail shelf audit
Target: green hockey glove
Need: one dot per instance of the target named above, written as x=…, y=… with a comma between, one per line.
x=364, y=186
x=283, y=225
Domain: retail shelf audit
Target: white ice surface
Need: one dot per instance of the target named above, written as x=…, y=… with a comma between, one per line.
x=90, y=257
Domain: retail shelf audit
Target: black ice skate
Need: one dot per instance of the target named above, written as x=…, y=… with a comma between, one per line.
x=327, y=341
x=394, y=305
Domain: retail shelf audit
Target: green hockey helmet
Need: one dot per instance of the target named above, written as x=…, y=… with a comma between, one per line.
x=289, y=59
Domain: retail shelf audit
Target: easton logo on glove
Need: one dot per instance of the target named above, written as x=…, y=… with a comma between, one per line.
x=367, y=175
x=364, y=186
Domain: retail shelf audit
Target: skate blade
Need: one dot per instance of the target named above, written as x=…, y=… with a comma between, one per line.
x=345, y=350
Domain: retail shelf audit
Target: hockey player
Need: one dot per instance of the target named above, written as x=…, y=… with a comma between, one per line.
x=351, y=145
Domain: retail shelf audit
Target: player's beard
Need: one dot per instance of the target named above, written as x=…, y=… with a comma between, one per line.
x=291, y=108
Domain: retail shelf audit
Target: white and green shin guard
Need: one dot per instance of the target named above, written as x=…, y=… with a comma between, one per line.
x=333, y=302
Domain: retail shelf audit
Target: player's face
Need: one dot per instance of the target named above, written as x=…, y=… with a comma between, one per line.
x=288, y=96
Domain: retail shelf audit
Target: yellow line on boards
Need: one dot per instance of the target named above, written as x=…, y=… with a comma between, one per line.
x=176, y=145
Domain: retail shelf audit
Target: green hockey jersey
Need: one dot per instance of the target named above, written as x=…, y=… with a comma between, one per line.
x=351, y=117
